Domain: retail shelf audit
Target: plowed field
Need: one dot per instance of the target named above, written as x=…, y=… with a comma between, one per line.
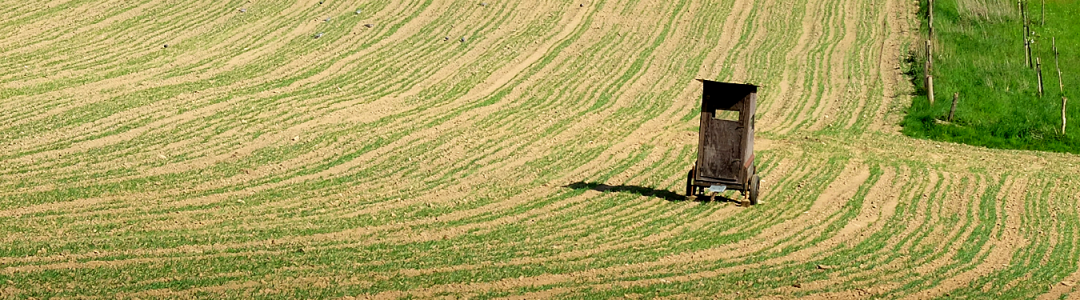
x=506, y=149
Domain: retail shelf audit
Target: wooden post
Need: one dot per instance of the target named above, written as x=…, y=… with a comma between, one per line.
x=1027, y=44
x=1020, y=8
x=955, y=97
x=1043, y=19
x=1038, y=73
x=929, y=70
x=1023, y=27
x=1027, y=37
x=1024, y=11
x=929, y=57
x=929, y=52
x=1024, y=49
x=930, y=18
x=1061, y=86
x=930, y=88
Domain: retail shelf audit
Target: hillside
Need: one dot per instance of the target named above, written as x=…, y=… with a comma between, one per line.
x=504, y=149
x=980, y=58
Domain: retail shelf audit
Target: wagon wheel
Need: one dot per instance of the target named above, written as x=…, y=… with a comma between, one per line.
x=755, y=182
x=690, y=185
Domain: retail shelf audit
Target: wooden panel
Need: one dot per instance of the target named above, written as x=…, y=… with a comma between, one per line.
x=748, y=129
x=720, y=149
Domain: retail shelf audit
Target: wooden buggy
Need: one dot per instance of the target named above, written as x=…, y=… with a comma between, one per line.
x=725, y=142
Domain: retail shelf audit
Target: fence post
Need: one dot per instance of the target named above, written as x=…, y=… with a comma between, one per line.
x=1024, y=12
x=929, y=57
x=1061, y=86
x=1038, y=73
x=1020, y=8
x=929, y=70
x=930, y=18
x=1023, y=27
x=1027, y=44
x=930, y=88
x=955, y=97
x=1027, y=37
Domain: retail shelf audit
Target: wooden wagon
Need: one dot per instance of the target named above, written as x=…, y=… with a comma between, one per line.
x=725, y=142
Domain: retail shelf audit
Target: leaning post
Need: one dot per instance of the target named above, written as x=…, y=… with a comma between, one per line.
x=1061, y=86
x=1063, y=102
x=930, y=18
x=1038, y=74
x=929, y=69
x=1023, y=29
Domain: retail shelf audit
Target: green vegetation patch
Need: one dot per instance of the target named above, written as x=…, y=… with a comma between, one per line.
x=978, y=53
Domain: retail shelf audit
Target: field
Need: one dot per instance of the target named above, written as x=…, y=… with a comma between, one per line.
x=506, y=149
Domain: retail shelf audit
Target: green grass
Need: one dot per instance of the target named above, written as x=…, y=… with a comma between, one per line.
x=979, y=53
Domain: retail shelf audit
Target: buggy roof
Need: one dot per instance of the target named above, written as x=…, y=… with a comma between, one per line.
x=724, y=95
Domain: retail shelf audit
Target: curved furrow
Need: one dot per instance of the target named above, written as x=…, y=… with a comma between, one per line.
x=495, y=149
